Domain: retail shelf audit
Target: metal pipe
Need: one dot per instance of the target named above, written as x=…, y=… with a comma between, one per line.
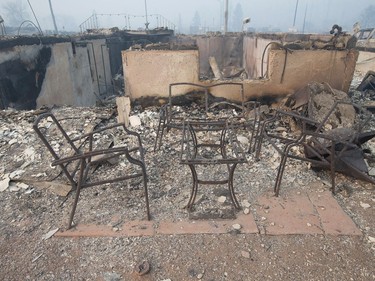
x=36, y=19
x=105, y=75
x=226, y=17
x=53, y=17
x=295, y=14
x=147, y=23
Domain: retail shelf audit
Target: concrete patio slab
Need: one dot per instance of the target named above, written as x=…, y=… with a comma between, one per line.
x=314, y=212
x=333, y=219
x=246, y=222
x=152, y=228
x=294, y=212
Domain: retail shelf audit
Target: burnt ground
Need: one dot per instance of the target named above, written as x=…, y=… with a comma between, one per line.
x=29, y=211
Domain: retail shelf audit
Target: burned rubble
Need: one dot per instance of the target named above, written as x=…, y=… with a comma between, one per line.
x=27, y=165
x=44, y=198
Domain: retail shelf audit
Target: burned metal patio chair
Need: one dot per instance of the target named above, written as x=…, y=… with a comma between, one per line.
x=80, y=156
x=172, y=116
x=324, y=143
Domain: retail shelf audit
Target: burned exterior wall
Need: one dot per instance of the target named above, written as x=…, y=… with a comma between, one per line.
x=297, y=68
x=227, y=51
x=149, y=73
x=285, y=70
x=253, y=49
x=22, y=73
x=68, y=78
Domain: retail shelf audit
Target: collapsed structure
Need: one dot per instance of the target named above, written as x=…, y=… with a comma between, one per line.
x=84, y=70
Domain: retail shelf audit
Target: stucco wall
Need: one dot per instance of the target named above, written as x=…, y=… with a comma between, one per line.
x=366, y=62
x=149, y=73
x=68, y=78
x=300, y=67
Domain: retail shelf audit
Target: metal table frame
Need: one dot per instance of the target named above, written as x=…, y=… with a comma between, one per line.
x=190, y=153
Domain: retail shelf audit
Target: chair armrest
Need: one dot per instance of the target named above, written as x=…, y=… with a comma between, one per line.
x=86, y=155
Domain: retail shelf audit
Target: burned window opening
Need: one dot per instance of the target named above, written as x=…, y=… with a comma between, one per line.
x=21, y=82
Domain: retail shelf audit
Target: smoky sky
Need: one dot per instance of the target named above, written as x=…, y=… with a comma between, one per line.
x=313, y=15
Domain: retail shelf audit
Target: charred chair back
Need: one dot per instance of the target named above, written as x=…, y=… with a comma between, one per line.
x=173, y=114
x=102, y=156
x=330, y=141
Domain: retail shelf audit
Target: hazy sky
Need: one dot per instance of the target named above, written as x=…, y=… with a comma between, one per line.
x=320, y=14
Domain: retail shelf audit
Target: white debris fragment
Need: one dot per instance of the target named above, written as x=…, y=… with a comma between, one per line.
x=4, y=183
x=371, y=239
x=16, y=174
x=309, y=224
x=243, y=140
x=246, y=211
x=222, y=199
x=365, y=205
x=135, y=121
x=12, y=141
x=36, y=258
x=246, y=204
x=49, y=234
x=22, y=185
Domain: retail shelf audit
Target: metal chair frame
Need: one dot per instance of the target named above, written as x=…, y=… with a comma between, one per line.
x=170, y=118
x=321, y=148
x=83, y=154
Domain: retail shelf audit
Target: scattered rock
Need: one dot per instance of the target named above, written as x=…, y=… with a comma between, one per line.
x=4, y=183
x=111, y=276
x=246, y=211
x=245, y=254
x=246, y=204
x=236, y=226
x=371, y=239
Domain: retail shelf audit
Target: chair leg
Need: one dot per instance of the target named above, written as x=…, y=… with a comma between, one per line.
x=146, y=192
x=144, y=175
x=280, y=171
x=258, y=144
x=159, y=135
x=78, y=191
x=333, y=172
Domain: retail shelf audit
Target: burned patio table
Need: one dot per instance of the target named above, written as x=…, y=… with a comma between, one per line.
x=195, y=151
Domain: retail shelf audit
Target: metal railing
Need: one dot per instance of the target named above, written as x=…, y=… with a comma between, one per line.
x=127, y=21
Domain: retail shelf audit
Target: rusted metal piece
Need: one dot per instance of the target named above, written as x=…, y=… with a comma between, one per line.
x=142, y=268
x=191, y=156
x=338, y=150
x=368, y=82
x=83, y=159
